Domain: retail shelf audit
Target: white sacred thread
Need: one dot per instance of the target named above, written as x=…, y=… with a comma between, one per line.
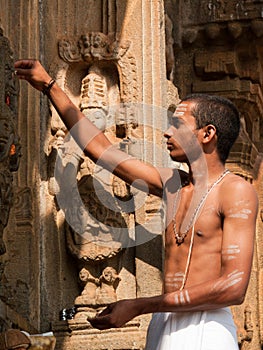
x=180, y=236
x=192, y=221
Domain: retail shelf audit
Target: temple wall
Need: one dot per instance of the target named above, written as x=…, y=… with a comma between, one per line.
x=140, y=55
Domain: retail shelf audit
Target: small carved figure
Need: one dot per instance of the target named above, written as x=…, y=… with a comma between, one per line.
x=88, y=295
x=109, y=281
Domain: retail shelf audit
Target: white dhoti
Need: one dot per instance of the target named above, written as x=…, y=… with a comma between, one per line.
x=204, y=330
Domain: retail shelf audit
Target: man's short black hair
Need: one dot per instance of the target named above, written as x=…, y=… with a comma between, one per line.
x=220, y=112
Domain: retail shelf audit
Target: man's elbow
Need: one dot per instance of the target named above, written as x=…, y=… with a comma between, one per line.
x=238, y=300
x=237, y=296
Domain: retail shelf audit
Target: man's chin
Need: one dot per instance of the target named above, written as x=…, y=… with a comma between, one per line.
x=178, y=158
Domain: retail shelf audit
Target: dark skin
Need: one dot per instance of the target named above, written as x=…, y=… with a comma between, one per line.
x=223, y=232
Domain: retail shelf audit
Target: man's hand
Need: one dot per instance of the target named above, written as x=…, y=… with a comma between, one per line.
x=33, y=72
x=115, y=315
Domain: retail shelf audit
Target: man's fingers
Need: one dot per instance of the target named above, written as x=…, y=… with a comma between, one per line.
x=105, y=311
x=25, y=64
x=101, y=322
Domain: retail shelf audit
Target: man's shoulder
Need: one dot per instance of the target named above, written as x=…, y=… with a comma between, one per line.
x=237, y=181
x=236, y=185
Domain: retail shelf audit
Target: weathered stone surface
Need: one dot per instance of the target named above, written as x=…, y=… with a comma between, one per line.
x=131, y=61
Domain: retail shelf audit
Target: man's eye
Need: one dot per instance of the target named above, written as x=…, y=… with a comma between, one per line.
x=174, y=121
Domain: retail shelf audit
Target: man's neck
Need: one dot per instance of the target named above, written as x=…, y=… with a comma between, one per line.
x=205, y=171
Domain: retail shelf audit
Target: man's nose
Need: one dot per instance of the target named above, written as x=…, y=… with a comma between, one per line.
x=168, y=133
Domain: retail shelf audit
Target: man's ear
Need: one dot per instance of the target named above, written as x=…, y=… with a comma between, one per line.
x=209, y=133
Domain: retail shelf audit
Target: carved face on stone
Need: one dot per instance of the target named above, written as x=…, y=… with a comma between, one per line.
x=109, y=274
x=84, y=275
x=96, y=116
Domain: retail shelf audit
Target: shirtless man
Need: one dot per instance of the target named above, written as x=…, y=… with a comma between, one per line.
x=210, y=231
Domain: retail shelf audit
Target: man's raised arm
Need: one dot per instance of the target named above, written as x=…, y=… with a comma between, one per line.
x=94, y=143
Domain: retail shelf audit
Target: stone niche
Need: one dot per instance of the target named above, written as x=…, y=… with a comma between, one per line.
x=104, y=216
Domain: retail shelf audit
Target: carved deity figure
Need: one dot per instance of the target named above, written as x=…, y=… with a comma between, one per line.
x=96, y=225
x=97, y=219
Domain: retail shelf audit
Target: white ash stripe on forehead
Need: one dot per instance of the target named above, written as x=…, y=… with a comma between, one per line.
x=183, y=104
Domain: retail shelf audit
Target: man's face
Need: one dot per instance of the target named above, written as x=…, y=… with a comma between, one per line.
x=182, y=135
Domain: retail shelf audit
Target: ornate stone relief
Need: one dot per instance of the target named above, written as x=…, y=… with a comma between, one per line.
x=93, y=47
x=10, y=149
x=100, y=74
x=98, y=291
x=220, y=10
x=23, y=207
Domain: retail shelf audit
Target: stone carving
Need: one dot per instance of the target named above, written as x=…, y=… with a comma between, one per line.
x=101, y=213
x=98, y=291
x=10, y=149
x=23, y=207
x=109, y=281
x=98, y=222
x=92, y=46
x=95, y=46
x=229, y=10
x=248, y=322
x=220, y=63
x=214, y=8
x=245, y=332
x=90, y=283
